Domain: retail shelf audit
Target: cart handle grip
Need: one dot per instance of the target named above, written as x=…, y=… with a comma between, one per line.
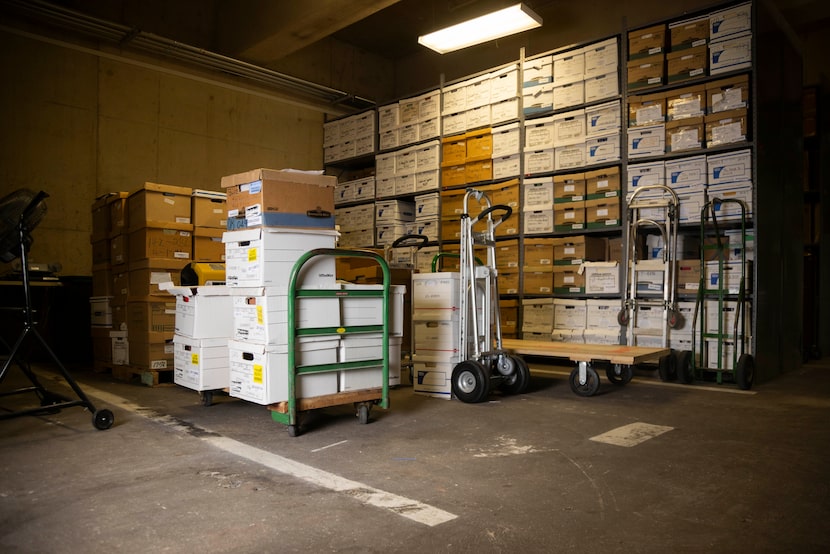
x=422, y=241
x=508, y=211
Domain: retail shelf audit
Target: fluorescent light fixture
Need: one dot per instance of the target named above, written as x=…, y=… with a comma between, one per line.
x=498, y=24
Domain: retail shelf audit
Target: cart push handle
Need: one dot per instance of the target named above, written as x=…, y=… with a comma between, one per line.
x=411, y=240
x=712, y=207
x=508, y=211
x=441, y=255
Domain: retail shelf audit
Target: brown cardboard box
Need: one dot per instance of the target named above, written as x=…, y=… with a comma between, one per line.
x=118, y=212
x=451, y=229
x=688, y=275
x=569, y=217
x=151, y=355
x=577, y=249
x=506, y=194
x=647, y=109
x=615, y=249
x=454, y=150
x=684, y=134
x=475, y=172
x=150, y=319
x=209, y=211
x=281, y=198
x=683, y=65
x=120, y=286
x=158, y=205
x=602, y=181
x=727, y=94
x=101, y=252
x=119, y=249
x=101, y=226
x=686, y=102
x=146, y=275
x=646, y=42
x=507, y=254
x=173, y=241
x=538, y=282
x=509, y=282
x=569, y=188
x=479, y=145
x=726, y=127
x=453, y=176
x=102, y=280
x=689, y=33
x=508, y=228
x=208, y=245
x=538, y=253
x=509, y=315
x=647, y=72
x=602, y=212
x=567, y=279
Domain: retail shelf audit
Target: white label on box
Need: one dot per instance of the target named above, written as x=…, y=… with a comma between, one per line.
x=686, y=107
x=730, y=132
x=685, y=140
x=648, y=114
x=730, y=99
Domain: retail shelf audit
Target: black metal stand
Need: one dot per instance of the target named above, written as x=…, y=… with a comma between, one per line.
x=50, y=402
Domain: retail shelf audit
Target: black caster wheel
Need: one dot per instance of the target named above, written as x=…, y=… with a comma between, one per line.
x=519, y=381
x=293, y=431
x=683, y=361
x=207, y=398
x=470, y=382
x=666, y=368
x=363, y=414
x=619, y=374
x=591, y=384
x=745, y=372
x=103, y=419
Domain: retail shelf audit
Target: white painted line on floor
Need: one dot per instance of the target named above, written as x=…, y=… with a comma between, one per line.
x=329, y=446
x=656, y=383
x=631, y=434
x=402, y=506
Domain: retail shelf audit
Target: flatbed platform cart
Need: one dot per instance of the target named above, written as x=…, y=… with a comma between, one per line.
x=484, y=363
x=288, y=412
x=584, y=379
x=654, y=207
x=723, y=351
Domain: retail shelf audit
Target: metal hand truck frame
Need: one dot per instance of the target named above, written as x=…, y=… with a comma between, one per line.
x=484, y=363
x=671, y=317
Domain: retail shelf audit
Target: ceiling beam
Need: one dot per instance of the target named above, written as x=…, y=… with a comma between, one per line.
x=264, y=32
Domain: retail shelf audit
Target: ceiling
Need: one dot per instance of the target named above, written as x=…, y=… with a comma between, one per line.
x=267, y=32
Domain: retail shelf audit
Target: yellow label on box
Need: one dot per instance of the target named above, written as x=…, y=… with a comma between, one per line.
x=194, y=358
x=252, y=254
x=259, y=318
x=258, y=374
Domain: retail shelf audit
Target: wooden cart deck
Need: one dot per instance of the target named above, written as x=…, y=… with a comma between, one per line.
x=316, y=402
x=614, y=353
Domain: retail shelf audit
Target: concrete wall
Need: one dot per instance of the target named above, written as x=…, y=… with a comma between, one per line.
x=78, y=125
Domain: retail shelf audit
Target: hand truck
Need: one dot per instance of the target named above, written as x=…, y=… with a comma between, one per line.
x=663, y=207
x=484, y=362
x=735, y=361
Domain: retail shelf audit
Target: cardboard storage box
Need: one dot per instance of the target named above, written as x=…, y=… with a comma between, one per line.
x=568, y=280
x=509, y=315
x=507, y=254
x=601, y=277
x=479, y=145
x=569, y=314
x=646, y=72
x=688, y=275
x=208, y=245
x=727, y=94
x=569, y=217
x=686, y=102
x=281, y=198
x=476, y=172
x=730, y=21
x=689, y=33
x=688, y=64
x=538, y=282
x=436, y=341
x=569, y=157
x=684, y=134
x=603, y=212
x=537, y=315
x=158, y=205
x=602, y=86
x=601, y=58
x=432, y=378
x=726, y=127
x=686, y=171
x=151, y=355
x=647, y=109
x=538, y=193
x=732, y=167
x=174, y=241
x=601, y=181
x=118, y=212
x=145, y=276
x=538, y=71
x=568, y=188
x=203, y=312
x=537, y=222
x=539, y=161
x=265, y=256
x=150, y=319
x=603, y=119
x=568, y=128
x=646, y=42
x=569, y=67
x=209, y=209
x=602, y=314
x=573, y=251
x=647, y=141
x=566, y=96
x=538, y=253
x=100, y=311
x=200, y=364
x=730, y=54
x=259, y=373
x=601, y=150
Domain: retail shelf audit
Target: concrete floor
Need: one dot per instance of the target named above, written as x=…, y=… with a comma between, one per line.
x=731, y=472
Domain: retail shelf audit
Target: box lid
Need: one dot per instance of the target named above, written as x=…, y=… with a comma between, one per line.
x=165, y=189
x=288, y=176
x=211, y=194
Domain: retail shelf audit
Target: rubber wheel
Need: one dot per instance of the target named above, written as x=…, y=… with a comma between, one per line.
x=293, y=431
x=363, y=414
x=622, y=317
x=470, y=382
x=103, y=419
x=683, y=363
x=207, y=398
x=666, y=368
x=591, y=385
x=625, y=376
x=745, y=372
x=519, y=381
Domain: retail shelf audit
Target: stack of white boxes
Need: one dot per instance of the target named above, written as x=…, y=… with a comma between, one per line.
x=427, y=215
x=393, y=219
x=570, y=318
x=357, y=225
x=435, y=326
x=722, y=322
x=349, y=137
x=355, y=190
x=200, y=344
x=537, y=318
x=730, y=39
x=601, y=326
x=482, y=101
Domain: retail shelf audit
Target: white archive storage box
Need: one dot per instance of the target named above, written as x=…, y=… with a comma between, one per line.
x=203, y=312
x=436, y=341
x=363, y=347
x=260, y=314
x=259, y=373
x=357, y=311
x=200, y=364
x=435, y=295
x=264, y=256
x=432, y=378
